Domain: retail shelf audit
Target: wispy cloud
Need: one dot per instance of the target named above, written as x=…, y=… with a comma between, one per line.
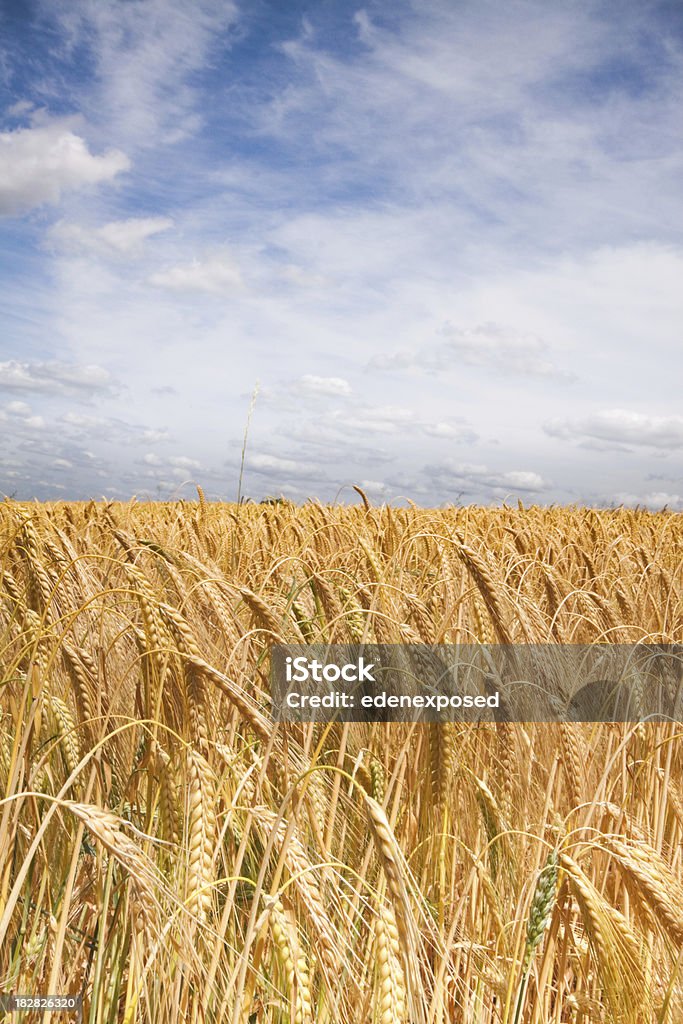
x=123, y=237
x=145, y=55
x=216, y=276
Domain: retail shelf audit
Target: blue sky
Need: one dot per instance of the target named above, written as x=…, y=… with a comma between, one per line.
x=445, y=238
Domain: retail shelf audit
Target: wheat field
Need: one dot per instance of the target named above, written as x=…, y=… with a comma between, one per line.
x=170, y=854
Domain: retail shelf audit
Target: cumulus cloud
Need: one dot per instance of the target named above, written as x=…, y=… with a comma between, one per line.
x=39, y=163
x=654, y=500
x=152, y=435
x=395, y=420
x=77, y=452
x=310, y=384
x=20, y=415
x=307, y=390
x=56, y=378
x=471, y=479
x=184, y=462
x=168, y=471
x=18, y=408
x=216, y=276
x=492, y=346
x=315, y=424
x=449, y=431
x=117, y=236
x=380, y=419
x=110, y=429
x=326, y=443
x=276, y=466
x=621, y=427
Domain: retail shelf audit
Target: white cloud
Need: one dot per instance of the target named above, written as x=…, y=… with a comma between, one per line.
x=153, y=435
x=22, y=417
x=118, y=236
x=655, y=500
x=216, y=276
x=38, y=163
x=274, y=465
x=381, y=419
x=500, y=350
x=20, y=108
x=308, y=391
x=55, y=378
x=446, y=430
x=471, y=479
x=622, y=427
x=18, y=408
x=397, y=421
x=267, y=462
x=523, y=479
x=166, y=468
x=323, y=385
x=110, y=430
x=658, y=499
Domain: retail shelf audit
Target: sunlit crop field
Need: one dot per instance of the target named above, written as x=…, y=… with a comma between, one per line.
x=172, y=855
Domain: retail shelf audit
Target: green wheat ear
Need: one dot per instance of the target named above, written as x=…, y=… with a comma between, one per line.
x=539, y=918
x=541, y=908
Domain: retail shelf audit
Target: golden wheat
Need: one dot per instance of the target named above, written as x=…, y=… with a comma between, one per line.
x=171, y=853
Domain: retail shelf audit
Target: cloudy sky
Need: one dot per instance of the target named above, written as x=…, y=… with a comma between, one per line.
x=444, y=237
